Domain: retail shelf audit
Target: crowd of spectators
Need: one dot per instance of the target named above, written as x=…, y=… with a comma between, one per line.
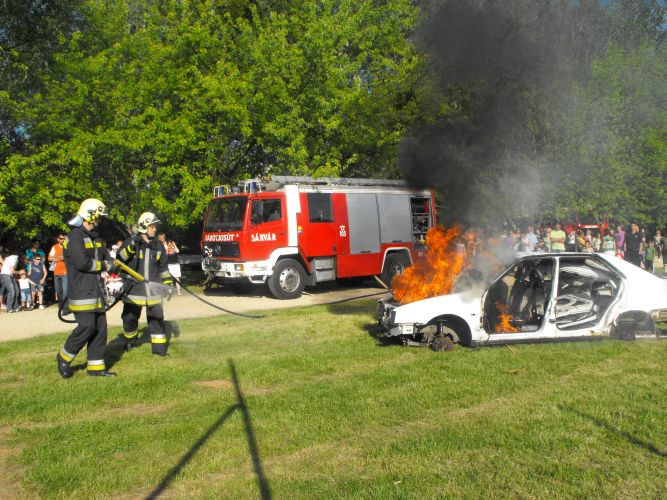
x=634, y=244
x=24, y=274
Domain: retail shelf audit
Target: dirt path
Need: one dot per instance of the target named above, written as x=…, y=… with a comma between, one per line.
x=28, y=324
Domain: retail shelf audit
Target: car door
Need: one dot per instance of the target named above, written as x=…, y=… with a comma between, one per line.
x=586, y=289
x=518, y=305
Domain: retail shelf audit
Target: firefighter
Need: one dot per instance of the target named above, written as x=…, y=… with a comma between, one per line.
x=86, y=258
x=147, y=255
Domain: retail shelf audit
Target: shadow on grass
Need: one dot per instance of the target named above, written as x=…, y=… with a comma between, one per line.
x=263, y=484
x=614, y=430
x=264, y=489
x=116, y=348
x=375, y=332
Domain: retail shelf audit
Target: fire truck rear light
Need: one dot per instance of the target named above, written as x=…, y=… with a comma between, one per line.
x=238, y=267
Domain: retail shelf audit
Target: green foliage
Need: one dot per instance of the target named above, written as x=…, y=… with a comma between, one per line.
x=516, y=109
x=149, y=104
x=618, y=134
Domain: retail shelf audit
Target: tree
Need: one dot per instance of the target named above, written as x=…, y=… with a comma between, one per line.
x=149, y=104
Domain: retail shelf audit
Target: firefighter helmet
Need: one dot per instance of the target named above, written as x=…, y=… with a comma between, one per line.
x=146, y=219
x=90, y=210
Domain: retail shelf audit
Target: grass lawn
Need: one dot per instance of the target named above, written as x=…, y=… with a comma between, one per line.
x=309, y=403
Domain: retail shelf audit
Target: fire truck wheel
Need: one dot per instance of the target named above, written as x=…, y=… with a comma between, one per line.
x=393, y=266
x=288, y=280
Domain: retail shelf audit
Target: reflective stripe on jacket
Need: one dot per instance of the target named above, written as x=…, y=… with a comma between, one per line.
x=149, y=260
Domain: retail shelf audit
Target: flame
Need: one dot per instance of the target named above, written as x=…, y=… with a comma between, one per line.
x=504, y=319
x=436, y=274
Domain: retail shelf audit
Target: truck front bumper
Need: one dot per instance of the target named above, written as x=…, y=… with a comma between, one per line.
x=225, y=271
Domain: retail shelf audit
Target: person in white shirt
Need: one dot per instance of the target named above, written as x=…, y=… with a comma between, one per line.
x=531, y=238
x=7, y=274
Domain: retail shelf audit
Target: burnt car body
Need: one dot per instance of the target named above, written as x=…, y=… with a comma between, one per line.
x=540, y=297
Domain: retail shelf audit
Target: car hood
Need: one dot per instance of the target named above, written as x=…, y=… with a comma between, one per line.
x=463, y=304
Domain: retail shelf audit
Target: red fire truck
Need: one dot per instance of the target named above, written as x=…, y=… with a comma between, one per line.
x=291, y=232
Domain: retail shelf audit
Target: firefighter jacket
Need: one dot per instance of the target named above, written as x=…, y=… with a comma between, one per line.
x=149, y=260
x=85, y=258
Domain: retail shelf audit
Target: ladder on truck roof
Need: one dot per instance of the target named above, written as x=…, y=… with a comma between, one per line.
x=333, y=181
x=275, y=182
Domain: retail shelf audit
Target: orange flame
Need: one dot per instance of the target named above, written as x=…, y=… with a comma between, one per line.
x=504, y=319
x=436, y=274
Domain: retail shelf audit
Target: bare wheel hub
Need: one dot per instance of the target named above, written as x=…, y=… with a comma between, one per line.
x=289, y=279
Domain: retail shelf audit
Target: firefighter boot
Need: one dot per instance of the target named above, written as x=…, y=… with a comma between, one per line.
x=64, y=368
x=159, y=344
x=130, y=339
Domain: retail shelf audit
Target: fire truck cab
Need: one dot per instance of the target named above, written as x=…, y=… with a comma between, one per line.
x=291, y=232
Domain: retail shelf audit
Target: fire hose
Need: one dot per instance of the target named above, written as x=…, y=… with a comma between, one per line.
x=159, y=286
x=131, y=272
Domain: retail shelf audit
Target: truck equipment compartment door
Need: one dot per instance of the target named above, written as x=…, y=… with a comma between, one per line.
x=364, y=224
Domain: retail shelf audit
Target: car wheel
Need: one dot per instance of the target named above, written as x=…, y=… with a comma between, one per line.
x=447, y=333
x=443, y=344
x=288, y=280
x=394, y=265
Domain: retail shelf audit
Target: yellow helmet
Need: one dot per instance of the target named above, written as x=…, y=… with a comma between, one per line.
x=89, y=211
x=146, y=219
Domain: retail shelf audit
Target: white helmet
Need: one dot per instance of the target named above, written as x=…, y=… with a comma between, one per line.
x=146, y=219
x=89, y=211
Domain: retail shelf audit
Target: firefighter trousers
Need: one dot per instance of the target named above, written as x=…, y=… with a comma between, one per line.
x=154, y=317
x=91, y=329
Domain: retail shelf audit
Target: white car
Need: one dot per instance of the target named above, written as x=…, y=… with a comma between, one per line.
x=540, y=297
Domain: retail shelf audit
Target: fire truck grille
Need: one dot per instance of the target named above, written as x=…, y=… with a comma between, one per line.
x=226, y=249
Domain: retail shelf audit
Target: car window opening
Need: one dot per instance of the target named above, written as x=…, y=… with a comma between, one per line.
x=518, y=302
x=586, y=289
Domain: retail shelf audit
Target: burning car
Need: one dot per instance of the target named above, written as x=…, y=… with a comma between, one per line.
x=539, y=297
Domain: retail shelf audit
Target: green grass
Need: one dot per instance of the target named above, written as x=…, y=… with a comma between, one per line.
x=327, y=410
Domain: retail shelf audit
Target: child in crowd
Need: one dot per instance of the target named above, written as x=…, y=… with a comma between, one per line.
x=37, y=275
x=25, y=285
x=588, y=247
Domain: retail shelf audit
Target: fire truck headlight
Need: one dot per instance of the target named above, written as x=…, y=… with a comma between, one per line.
x=238, y=267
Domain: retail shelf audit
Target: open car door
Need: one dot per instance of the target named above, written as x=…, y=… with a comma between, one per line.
x=586, y=289
x=517, y=305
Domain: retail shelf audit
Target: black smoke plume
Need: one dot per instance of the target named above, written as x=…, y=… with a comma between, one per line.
x=499, y=73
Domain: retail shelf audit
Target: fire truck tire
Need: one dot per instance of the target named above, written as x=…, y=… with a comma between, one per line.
x=288, y=280
x=394, y=265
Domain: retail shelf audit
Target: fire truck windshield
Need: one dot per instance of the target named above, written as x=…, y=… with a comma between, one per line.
x=226, y=214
